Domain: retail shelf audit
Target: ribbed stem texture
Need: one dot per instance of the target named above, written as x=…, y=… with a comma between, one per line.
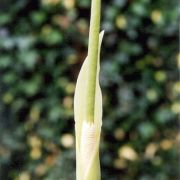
x=88, y=140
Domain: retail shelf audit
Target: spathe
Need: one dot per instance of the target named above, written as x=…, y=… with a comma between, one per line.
x=92, y=170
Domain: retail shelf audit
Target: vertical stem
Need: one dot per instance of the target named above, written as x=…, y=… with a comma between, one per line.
x=92, y=58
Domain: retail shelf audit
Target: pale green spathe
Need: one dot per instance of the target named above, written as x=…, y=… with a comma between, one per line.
x=92, y=170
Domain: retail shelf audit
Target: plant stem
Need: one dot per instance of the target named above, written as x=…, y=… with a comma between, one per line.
x=92, y=59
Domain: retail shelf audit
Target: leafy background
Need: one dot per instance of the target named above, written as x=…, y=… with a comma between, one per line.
x=42, y=47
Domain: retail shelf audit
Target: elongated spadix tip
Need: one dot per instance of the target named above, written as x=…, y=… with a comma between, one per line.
x=101, y=34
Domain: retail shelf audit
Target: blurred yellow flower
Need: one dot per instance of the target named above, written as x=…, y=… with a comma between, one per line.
x=175, y=107
x=152, y=94
x=24, y=176
x=68, y=102
x=160, y=76
x=69, y=4
x=166, y=144
x=120, y=163
x=150, y=151
x=34, y=114
x=67, y=140
x=176, y=87
x=41, y=170
x=156, y=16
x=121, y=22
x=35, y=153
x=119, y=134
x=34, y=141
x=7, y=98
x=127, y=152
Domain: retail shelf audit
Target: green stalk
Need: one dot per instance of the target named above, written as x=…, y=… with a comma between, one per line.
x=88, y=104
x=92, y=59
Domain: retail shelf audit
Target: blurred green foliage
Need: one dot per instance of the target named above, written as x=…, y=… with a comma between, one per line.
x=42, y=47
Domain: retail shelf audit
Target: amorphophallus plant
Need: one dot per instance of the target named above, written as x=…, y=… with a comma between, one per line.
x=88, y=104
